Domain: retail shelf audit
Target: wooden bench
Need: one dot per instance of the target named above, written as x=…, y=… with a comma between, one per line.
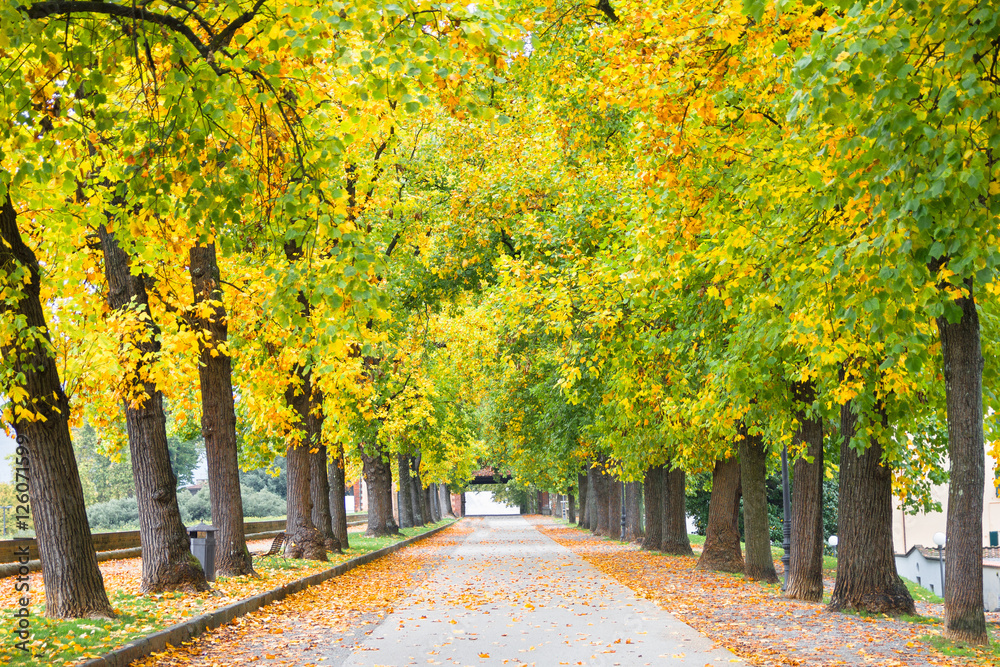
x=276, y=545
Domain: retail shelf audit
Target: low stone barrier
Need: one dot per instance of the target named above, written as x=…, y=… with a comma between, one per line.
x=182, y=632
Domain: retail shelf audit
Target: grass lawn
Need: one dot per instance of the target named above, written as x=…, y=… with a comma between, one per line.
x=63, y=642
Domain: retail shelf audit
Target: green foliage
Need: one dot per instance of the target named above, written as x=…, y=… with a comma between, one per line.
x=105, y=476
x=272, y=479
x=195, y=507
x=184, y=456
x=118, y=514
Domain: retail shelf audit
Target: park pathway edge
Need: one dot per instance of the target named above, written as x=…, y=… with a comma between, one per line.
x=182, y=632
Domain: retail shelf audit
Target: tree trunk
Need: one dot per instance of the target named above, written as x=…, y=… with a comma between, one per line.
x=633, y=511
x=319, y=489
x=963, y=376
x=602, y=486
x=424, y=494
x=436, y=500
x=378, y=477
x=866, y=567
x=167, y=563
x=805, y=571
x=302, y=538
x=74, y=587
x=722, y=539
x=581, y=480
x=673, y=502
x=614, y=507
x=652, y=487
x=571, y=508
x=336, y=474
x=416, y=494
x=218, y=415
x=592, y=514
x=447, y=501
x=756, y=526
x=405, y=495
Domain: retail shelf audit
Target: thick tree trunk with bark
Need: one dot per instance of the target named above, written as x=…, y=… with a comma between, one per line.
x=615, y=488
x=447, y=501
x=74, y=587
x=633, y=511
x=167, y=563
x=757, y=529
x=432, y=504
x=302, y=538
x=405, y=495
x=378, y=477
x=722, y=538
x=673, y=521
x=319, y=489
x=866, y=567
x=337, y=474
x=581, y=480
x=601, y=485
x=805, y=571
x=218, y=414
x=652, y=487
x=592, y=504
x=416, y=494
x=571, y=508
x=961, y=349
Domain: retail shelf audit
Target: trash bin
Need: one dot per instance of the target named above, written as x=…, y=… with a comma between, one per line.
x=203, y=547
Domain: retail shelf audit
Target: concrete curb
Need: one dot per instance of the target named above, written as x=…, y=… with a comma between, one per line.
x=182, y=632
x=10, y=569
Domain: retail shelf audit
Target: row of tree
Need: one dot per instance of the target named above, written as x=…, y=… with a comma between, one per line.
x=153, y=155
x=621, y=238
x=739, y=227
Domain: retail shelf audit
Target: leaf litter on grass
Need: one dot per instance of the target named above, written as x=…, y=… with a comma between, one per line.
x=749, y=618
x=65, y=642
x=298, y=629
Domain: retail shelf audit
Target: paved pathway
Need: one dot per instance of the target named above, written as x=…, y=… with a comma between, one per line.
x=509, y=595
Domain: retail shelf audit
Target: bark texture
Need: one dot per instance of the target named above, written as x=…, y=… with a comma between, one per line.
x=218, y=414
x=571, y=508
x=673, y=504
x=167, y=563
x=74, y=587
x=805, y=570
x=866, y=567
x=447, y=501
x=963, y=377
x=753, y=471
x=633, y=511
x=600, y=486
x=378, y=477
x=337, y=475
x=405, y=494
x=581, y=480
x=615, y=488
x=319, y=489
x=652, y=486
x=302, y=538
x=416, y=494
x=722, y=538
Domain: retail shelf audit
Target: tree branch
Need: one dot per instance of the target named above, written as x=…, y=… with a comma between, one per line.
x=41, y=10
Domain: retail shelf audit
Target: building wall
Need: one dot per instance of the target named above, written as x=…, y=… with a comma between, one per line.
x=991, y=585
x=910, y=530
x=925, y=572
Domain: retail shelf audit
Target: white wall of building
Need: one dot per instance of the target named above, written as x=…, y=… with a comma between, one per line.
x=481, y=502
x=909, y=530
